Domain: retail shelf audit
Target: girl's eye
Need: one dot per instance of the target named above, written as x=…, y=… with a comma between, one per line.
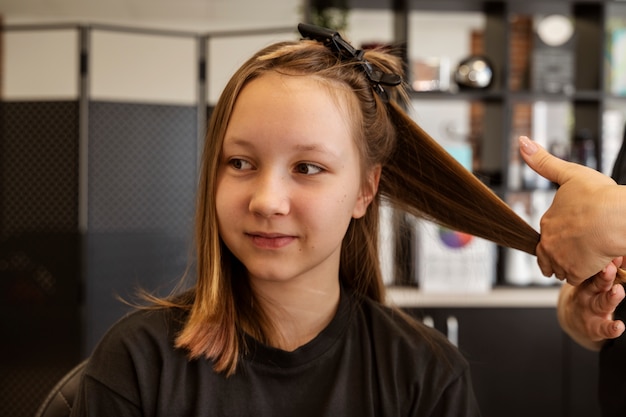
x=240, y=164
x=308, y=169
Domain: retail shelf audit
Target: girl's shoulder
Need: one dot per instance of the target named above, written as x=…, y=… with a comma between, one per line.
x=153, y=321
x=149, y=330
x=134, y=355
x=392, y=326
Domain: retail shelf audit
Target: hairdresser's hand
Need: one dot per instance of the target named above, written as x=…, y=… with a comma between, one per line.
x=585, y=228
x=585, y=312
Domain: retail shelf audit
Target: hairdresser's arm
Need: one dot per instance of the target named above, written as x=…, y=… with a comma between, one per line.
x=585, y=312
x=585, y=228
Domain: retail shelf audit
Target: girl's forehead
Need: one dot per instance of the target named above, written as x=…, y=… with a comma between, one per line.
x=318, y=95
x=342, y=98
x=292, y=108
x=279, y=77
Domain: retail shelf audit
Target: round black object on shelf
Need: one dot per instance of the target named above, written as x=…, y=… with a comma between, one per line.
x=474, y=72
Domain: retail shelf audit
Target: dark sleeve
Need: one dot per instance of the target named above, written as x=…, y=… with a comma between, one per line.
x=458, y=399
x=123, y=373
x=95, y=399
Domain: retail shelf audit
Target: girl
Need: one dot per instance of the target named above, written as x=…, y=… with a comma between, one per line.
x=287, y=317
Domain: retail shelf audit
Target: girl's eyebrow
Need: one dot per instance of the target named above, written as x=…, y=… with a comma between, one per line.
x=314, y=147
x=234, y=141
x=300, y=147
x=327, y=153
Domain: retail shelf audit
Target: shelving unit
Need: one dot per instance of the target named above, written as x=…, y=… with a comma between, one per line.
x=505, y=110
x=522, y=363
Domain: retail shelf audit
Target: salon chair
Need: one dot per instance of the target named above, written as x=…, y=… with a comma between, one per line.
x=59, y=401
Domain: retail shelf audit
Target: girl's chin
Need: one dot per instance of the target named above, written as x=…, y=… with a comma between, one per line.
x=268, y=277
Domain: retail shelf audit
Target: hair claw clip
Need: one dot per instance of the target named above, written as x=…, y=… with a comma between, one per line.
x=344, y=50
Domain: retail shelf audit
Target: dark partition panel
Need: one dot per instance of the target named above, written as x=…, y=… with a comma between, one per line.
x=40, y=259
x=141, y=188
x=59, y=288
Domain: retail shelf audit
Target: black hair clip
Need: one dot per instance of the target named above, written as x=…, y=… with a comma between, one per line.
x=344, y=50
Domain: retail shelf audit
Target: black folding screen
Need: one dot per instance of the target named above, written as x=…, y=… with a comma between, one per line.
x=40, y=251
x=97, y=200
x=59, y=287
x=142, y=168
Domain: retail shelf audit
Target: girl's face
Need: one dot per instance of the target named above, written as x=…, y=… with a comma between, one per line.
x=289, y=180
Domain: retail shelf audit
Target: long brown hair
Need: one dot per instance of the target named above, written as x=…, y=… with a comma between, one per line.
x=418, y=176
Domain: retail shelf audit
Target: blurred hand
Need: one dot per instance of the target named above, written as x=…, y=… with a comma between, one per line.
x=585, y=312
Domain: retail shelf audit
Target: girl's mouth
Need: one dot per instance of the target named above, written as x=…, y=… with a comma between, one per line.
x=270, y=240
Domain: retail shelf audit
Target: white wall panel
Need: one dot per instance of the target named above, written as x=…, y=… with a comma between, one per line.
x=226, y=54
x=196, y=15
x=127, y=66
x=370, y=26
x=40, y=65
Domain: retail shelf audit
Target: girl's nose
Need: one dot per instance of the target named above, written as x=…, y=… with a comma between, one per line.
x=270, y=196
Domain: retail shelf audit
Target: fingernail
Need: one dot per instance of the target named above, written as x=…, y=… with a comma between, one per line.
x=527, y=146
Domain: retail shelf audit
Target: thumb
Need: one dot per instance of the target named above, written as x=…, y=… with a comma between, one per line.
x=542, y=162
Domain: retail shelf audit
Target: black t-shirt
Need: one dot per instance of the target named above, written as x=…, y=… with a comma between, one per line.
x=612, y=378
x=369, y=361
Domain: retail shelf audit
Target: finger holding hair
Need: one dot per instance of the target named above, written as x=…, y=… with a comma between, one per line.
x=579, y=231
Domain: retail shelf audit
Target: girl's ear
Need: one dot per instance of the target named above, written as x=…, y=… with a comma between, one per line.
x=368, y=191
